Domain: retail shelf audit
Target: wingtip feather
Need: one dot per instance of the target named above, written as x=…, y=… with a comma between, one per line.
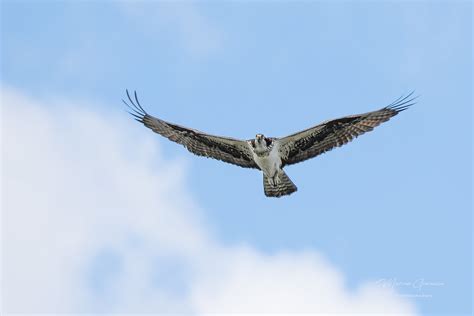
x=137, y=111
x=403, y=103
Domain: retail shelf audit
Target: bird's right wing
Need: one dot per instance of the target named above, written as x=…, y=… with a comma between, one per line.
x=226, y=149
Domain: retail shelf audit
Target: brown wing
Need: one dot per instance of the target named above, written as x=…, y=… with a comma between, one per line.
x=330, y=134
x=226, y=149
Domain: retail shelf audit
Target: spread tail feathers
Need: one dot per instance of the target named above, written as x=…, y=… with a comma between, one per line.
x=279, y=185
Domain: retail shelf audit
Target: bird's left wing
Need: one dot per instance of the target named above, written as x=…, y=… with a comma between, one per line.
x=226, y=149
x=334, y=133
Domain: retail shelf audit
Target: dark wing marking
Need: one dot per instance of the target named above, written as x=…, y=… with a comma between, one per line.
x=334, y=133
x=226, y=149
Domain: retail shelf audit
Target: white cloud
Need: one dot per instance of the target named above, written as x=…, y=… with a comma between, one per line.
x=95, y=220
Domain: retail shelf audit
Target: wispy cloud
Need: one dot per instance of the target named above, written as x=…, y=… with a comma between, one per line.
x=95, y=220
x=180, y=22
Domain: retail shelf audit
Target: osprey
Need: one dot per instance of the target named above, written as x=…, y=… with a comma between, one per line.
x=271, y=154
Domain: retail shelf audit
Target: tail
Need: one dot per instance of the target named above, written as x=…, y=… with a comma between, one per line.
x=279, y=185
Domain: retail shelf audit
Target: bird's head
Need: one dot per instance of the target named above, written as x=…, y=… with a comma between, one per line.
x=261, y=142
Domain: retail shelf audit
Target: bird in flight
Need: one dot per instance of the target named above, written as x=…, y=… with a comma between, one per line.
x=271, y=154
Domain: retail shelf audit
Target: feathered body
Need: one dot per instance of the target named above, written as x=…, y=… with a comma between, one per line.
x=270, y=154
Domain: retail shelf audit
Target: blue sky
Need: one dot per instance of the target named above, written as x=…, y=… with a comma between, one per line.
x=394, y=204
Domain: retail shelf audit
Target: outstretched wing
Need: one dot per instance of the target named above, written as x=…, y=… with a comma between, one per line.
x=226, y=149
x=334, y=133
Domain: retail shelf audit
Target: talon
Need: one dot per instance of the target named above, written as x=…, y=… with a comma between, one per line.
x=275, y=180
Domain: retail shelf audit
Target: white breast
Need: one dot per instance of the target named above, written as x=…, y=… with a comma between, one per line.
x=269, y=164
